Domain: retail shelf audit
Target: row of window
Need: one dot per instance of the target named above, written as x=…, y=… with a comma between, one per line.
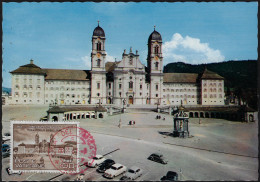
x=62, y=95
x=120, y=94
x=179, y=96
x=30, y=80
x=25, y=101
x=179, y=90
x=212, y=96
x=212, y=90
x=68, y=88
x=65, y=82
x=212, y=84
x=25, y=87
x=25, y=94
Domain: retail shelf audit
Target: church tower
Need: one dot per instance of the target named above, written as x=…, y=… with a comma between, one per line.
x=98, y=72
x=155, y=66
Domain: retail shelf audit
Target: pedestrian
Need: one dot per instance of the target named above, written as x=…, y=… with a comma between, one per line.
x=119, y=125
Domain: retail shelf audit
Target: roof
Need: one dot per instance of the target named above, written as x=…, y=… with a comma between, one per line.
x=110, y=66
x=159, y=154
x=66, y=74
x=221, y=109
x=180, y=77
x=62, y=109
x=98, y=31
x=155, y=36
x=210, y=75
x=134, y=168
x=30, y=146
x=98, y=156
x=117, y=165
x=29, y=69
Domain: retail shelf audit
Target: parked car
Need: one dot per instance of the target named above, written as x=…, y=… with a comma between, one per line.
x=170, y=176
x=133, y=173
x=157, y=157
x=124, y=178
x=115, y=170
x=105, y=165
x=5, y=154
x=97, y=160
x=8, y=170
x=6, y=136
x=5, y=148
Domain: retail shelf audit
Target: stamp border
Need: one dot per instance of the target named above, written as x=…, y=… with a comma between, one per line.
x=12, y=122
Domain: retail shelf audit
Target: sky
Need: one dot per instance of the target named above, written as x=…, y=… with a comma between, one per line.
x=58, y=35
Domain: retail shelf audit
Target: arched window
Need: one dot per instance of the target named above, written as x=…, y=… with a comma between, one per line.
x=99, y=46
x=156, y=65
x=131, y=85
x=156, y=49
x=131, y=61
x=98, y=62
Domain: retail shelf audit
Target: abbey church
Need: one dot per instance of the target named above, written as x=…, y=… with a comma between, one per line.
x=122, y=82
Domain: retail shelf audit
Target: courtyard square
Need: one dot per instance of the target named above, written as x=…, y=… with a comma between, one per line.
x=216, y=149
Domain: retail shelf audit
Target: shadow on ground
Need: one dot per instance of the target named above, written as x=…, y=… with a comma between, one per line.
x=166, y=133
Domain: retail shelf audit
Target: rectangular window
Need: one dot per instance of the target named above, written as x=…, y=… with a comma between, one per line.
x=156, y=87
x=98, y=85
x=141, y=86
x=131, y=85
x=120, y=85
x=109, y=85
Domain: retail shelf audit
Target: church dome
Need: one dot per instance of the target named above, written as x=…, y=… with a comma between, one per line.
x=155, y=36
x=98, y=31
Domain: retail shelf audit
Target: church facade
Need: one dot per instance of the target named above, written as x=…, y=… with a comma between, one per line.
x=122, y=82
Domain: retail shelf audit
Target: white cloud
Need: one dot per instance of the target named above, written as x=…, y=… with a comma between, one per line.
x=109, y=58
x=189, y=50
x=87, y=62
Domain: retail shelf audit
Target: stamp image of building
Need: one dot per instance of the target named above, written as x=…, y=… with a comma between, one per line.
x=126, y=81
x=46, y=147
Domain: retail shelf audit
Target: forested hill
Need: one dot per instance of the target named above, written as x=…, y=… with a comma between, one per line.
x=237, y=74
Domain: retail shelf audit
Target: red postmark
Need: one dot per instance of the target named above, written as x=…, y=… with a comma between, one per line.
x=70, y=149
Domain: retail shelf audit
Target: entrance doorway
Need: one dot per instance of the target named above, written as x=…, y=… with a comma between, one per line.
x=109, y=100
x=55, y=118
x=130, y=100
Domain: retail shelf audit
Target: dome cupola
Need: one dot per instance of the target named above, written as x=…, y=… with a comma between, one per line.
x=155, y=36
x=98, y=31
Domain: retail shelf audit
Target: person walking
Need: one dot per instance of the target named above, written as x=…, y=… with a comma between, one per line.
x=119, y=125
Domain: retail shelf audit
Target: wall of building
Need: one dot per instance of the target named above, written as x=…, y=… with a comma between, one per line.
x=175, y=93
x=67, y=92
x=212, y=92
x=27, y=89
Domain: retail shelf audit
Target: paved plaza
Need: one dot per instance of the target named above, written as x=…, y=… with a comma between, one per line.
x=216, y=150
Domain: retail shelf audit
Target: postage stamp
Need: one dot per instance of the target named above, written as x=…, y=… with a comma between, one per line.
x=49, y=146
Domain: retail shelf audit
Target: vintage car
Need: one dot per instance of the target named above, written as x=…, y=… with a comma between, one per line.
x=157, y=157
x=97, y=160
x=6, y=136
x=105, y=165
x=115, y=170
x=133, y=173
x=170, y=176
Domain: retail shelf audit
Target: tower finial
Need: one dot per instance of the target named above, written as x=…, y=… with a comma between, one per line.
x=98, y=22
x=154, y=27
